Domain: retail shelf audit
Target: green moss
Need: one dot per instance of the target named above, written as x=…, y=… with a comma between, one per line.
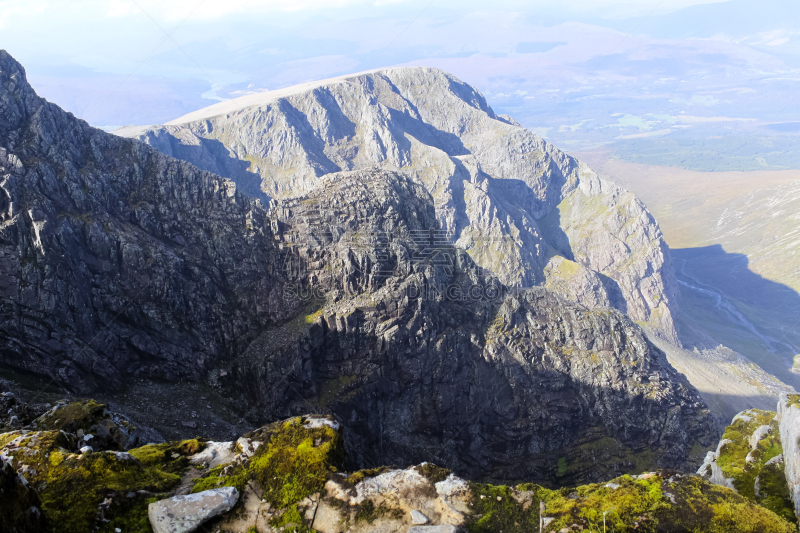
x=72, y=487
x=355, y=478
x=433, y=473
x=793, y=400
x=773, y=491
x=367, y=512
x=76, y=486
x=293, y=463
x=73, y=416
x=647, y=505
x=172, y=457
x=623, y=506
x=702, y=506
x=663, y=503
x=562, y=466
x=129, y=514
x=215, y=479
x=497, y=510
x=290, y=521
x=296, y=462
x=312, y=317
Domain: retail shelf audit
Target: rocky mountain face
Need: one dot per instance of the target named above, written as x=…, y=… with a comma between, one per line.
x=438, y=360
x=522, y=209
x=118, y=261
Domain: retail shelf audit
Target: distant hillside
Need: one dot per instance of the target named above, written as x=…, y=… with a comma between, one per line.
x=735, y=239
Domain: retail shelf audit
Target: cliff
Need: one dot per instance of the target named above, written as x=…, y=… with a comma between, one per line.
x=516, y=204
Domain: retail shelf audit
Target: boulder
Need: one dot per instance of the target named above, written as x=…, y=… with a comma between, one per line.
x=182, y=514
x=215, y=454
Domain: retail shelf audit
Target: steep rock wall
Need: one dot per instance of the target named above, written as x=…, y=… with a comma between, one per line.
x=492, y=181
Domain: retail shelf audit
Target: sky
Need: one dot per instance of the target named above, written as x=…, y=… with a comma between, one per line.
x=583, y=73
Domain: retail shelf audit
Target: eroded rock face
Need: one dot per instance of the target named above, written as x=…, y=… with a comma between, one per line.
x=184, y=514
x=115, y=259
x=500, y=191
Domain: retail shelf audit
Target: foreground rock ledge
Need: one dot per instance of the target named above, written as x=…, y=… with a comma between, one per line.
x=182, y=514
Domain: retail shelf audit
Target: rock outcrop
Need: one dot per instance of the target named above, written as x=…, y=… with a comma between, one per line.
x=184, y=514
x=437, y=360
x=750, y=460
x=789, y=427
x=501, y=192
x=14, y=413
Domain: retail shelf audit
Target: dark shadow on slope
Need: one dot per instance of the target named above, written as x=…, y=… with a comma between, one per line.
x=211, y=155
x=730, y=405
x=724, y=302
x=554, y=234
x=313, y=146
x=615, y=295
x=424, y=132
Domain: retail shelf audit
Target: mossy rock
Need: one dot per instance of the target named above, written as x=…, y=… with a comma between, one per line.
x=354, y=478
x=111, y=431
x=293, y=462
x=171, y=457
x=73, y=416
x=773, y=491
x=86, y=492
x=432, y=473
x=496, y=509
x=663, y=503
x=793, y=400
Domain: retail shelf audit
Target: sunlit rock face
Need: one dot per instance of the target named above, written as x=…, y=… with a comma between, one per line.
x=789, y=417
x=518, y=205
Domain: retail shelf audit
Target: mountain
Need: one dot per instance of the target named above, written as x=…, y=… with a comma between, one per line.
x=733, y=240
x=119, y=262
x=521, y=208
